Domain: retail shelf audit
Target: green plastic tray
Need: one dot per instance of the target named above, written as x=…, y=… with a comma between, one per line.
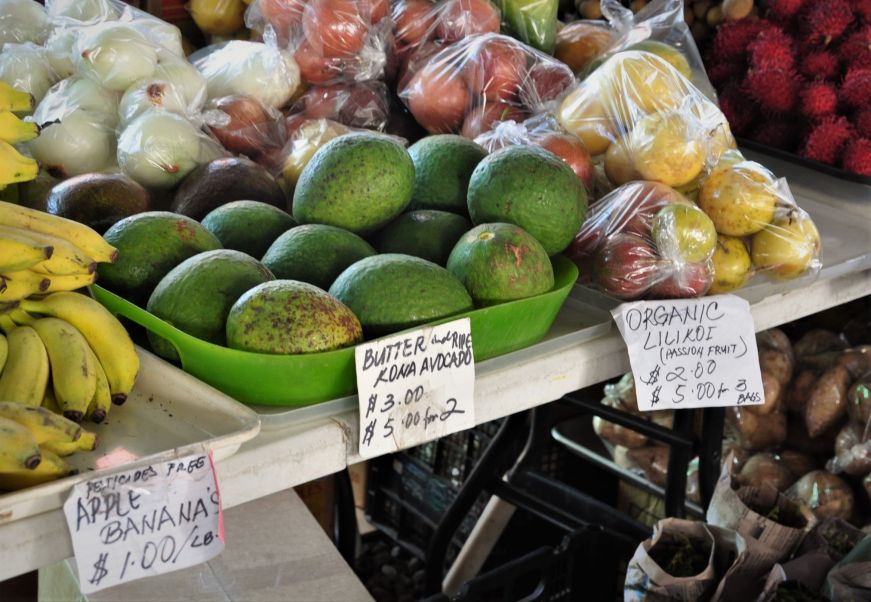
x=300, y=380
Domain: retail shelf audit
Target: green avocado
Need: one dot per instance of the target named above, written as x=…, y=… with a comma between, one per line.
x=443, y=165
x=197, y=295
x=392, y=292
x=424, y=233
x=531, y=188
x=248, y=226
x=315, y=253
x=358, y=182
x=501, y=262
x=287, y=316
x=149, y=245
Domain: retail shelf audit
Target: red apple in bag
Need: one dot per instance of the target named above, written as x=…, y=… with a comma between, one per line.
x=438, y=99
x=482, y=118
x=414, y=20
x=249, y=129
x=461, y=18
x=572, y=151
x=685, y=282
x=496, y=70
x=626, y=266
x=334, y=28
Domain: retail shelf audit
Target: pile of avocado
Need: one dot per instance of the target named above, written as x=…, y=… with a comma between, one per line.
x=378, y=239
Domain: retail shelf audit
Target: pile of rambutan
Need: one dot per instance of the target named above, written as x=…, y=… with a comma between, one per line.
x=799, y=78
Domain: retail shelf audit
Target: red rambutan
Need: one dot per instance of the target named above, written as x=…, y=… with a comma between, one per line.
x=862, y=122
x=826, y=139
x=784, y=9
x=857, y=156
x=862, y=8
x=739, y=113
x=855, y=90
x=818, y=99
x=721, y=73
x=771, y=49
x=819, y=64
x=825, y=20
x=778, y=133
x=774, y=89
x=855, y=49
x=734, y=35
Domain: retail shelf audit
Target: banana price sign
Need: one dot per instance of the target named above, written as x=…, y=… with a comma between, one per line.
x=415, y=387
x=145, y=521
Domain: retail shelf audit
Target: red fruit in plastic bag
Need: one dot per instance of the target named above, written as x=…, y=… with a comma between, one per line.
x=496, y=71
x=460, y=18
x=688, y=281
x=414, y=19
x=249, y=128
x=646, y=199
x=282, y=14
x=356, y=105
x=625, y=266
x=335, y=28
x=415, y=58
x=374, y=10
x=292, y=123
x=314, y=68
x=437, y=98
x=482, y=118
x=573, y=152
x=544, y=82
x=322, y=102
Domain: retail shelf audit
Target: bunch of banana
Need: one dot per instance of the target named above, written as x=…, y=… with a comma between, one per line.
x=32, y=441
x=15, y=167
x=66, y=352
x=43, y=253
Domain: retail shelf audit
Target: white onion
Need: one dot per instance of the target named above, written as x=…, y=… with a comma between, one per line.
x=87, y=11
x=114, y=55
x=79, y=144
x=77, y=93
x=161, y=33
x=22, y=21
x=59, y=51
x=26, y=67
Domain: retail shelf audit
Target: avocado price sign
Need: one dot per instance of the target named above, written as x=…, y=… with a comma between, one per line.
x=415, y=387
x=145, y=521
x=692, y=353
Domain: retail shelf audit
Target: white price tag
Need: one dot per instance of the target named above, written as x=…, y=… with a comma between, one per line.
x=145, y=521
x=415, y=387
x=692, y=353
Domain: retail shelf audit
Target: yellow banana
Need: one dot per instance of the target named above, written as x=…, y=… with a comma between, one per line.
x=25, y=376
x=42, y=423
x=66, y=257
x=50, y=468
x=15, y=100
x=78, y=234
x=73, y=373
x=18, y=251
x=18, y=448
x=87, y=442
x=18, y=285
x=107, y=337
x=49, y=402
x=14, y=130
x=15, y=167
x=69, y=282
x=6, y=325
x=101, y=403
x=4, y=351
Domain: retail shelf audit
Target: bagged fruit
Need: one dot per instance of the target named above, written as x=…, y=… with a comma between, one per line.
x=580, y=43
x=355, y=104
x=175, y=86
x=646, y=239
x=470, y=85
x=544, y=131
x=530, y=21
x=26, y=67
x=244, y=126
x=331, y=40
x=303, y=142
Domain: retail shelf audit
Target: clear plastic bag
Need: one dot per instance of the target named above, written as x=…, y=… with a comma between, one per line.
x=852, y=451
x=828, y=495
x=26, y=67
x=544, y=131
x=478, y=81
x=245, y=126
x=579, y=43
x=332, y=41
x=175, y=86
x=531, y=21
x=356, y=104
x=114, y=54
x=158, y=149
x=256, y=69
x=306, y=137
x=81, y=141
x=22, y=21
x=78, y=93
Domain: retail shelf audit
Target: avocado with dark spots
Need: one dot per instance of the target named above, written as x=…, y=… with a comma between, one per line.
x=197, y=295
x=97, y=200
x=287, y=316
x=315, y=253
x=358, y=182
x=225, y=180
x=501, y=262
x=392, y=292
x=443, y=165
x=424, y=233
x=149, y=245
x=248, y=226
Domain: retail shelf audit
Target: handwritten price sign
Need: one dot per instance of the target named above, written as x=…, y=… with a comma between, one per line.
x=415, y=387
x=692, y=353
x=145, y=521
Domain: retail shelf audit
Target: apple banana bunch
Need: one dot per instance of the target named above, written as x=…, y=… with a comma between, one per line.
x=42, y=253
x=15, y=167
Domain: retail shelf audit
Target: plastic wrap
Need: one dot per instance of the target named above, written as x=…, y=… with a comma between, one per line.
x=26, y=67
x=114, y=55
x=544, y=131
x=826, y=494
x=331, y=40
x=531, y=21
x=306, y=137
x=22, y=21
x=579, y=43
x=469, y=86
x=83, y=12
x=244, y=126
x=753, y=432
x=852, y=450
x=356, y=104
x=254, y=69
x=158, y=149
x=175, y=86
x=74, y=94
